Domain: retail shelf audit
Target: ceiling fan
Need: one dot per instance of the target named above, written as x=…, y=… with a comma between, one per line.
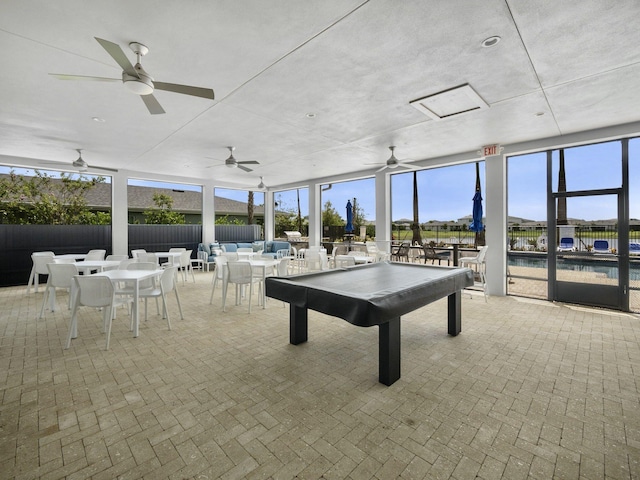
x=136, y=79
x=231, y=162
x=79, y=164
x=392, y=162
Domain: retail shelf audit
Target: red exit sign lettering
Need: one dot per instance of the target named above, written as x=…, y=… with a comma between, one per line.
x=489, y=150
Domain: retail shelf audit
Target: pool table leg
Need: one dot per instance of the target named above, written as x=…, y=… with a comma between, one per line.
x=297, y=325
x=389, y=352
x=455, y=313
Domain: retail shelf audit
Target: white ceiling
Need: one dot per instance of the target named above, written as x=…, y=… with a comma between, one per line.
x=560, y=68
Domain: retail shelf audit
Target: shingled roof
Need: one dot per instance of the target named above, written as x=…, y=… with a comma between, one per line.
x=184, y=201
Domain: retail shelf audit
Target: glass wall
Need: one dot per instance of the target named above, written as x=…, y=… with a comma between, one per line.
x=334, y=198
x=587, y=218
x=445, y=203
x=527, y=225
x=634, y=224
x=232, y=207
x=152, y=202
x=291, y=212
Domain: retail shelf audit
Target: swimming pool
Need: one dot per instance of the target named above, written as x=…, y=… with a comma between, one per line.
x=578, y=264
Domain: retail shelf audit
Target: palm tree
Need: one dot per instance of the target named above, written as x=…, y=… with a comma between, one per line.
x=415, y=226
x=562, y=187
x=250, y=208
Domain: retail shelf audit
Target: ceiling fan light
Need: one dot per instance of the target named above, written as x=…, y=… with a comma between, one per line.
x=139, y=86
x=231, y=165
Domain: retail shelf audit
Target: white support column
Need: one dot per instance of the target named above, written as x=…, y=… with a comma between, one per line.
x=383, y=211
x=119, y=214
x=496, y=228
x=269, y=216
x=208, y=212
x=315, y=214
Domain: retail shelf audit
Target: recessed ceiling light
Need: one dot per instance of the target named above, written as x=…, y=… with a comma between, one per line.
x=98, y=119
x=491, y=41
x=311, y=115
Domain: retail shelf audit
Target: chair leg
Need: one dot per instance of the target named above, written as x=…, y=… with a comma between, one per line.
x=213, y=289
x=31, y=278
x=179, y=306
x=73, y=326
x=44, y=300
x=108, y=315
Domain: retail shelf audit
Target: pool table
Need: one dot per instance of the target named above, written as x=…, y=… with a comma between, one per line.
x=368, y=295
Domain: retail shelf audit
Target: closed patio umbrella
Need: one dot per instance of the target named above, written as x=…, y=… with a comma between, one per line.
x=476, y=223
x=349, y=227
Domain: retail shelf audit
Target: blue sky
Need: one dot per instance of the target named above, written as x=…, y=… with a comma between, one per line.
x=446, y=193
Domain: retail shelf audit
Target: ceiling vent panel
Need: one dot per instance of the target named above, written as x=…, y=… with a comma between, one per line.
x=448, y=103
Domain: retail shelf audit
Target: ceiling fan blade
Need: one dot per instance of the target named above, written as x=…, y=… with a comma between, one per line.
x=71, y=167
x=152, y=104
x=242, y=167
x=64, y=76
x=249, y=162
x=381, y=169
x=184, y=89
x=118, y=55
x=93, y=167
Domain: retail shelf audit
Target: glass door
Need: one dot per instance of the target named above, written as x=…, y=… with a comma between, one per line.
x=589, y=225
x=587, y=266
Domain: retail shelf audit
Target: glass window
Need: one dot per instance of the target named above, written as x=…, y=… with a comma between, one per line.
x=589, y=167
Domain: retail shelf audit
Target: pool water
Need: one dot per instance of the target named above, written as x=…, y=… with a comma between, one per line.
x=606, y=267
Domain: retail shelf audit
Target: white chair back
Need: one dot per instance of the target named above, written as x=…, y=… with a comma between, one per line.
x=283, y=267
x=135, y=253
x=40, y=260
x=95, y=255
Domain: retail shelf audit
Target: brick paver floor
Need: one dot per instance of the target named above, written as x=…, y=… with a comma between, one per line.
x=529, y=389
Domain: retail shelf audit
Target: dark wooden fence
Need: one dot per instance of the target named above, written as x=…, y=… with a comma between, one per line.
x=160, y=238
x=20, y=241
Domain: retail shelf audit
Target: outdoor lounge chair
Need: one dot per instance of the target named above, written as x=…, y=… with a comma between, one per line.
x=601, y=246
x=566, y=245
x=431, y=254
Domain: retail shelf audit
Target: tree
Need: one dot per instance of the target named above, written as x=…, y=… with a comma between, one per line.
x=330, y=216
x=415, y=226
x=163, y=214
x=44, y=200
x=562, y=188
x=250, y=208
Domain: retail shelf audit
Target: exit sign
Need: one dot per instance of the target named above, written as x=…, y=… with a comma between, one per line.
x=489, y=150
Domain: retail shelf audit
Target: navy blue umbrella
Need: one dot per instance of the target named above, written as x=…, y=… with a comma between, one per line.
x=349, y=228
x=476, y=223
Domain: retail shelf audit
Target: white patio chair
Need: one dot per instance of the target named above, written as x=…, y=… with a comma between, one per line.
x=144, y=286
x=60, y=276
x=170, y=260
x=116, y=258
x=145, y=257
x=40, y=260
x=136, y=252
x=343, y=261
x=95, y=255
x=241, y=273
x=167, y=284
x=479, y=262
x=95, y=291
x=219, y=275
x=186, y=266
